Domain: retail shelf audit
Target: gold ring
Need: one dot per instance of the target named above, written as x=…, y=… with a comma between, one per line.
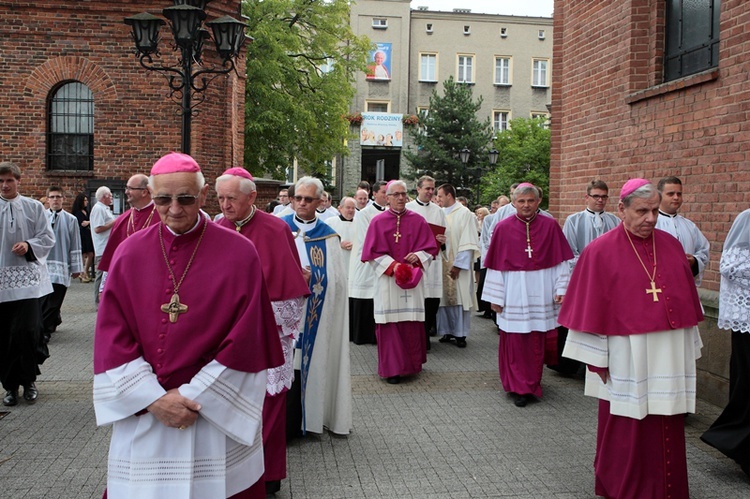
x=181, y=427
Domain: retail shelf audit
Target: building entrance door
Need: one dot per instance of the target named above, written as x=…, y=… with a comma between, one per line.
x=389, y=159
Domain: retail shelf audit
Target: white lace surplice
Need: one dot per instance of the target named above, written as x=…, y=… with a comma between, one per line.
x=288, y=315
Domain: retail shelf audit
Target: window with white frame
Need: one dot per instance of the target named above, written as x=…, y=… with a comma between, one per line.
x=502, y=70
x=427, y=67
x=540, y=73
x=500, y=120
x=378, y=106
x=535, y=115
x=379, y=23
x=465, y=68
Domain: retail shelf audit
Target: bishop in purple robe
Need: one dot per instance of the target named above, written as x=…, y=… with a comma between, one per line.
x=399, y=243
x=180, y=360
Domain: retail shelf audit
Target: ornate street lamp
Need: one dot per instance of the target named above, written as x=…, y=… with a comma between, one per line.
x=186, y=19
x=494, y=156
x=464, y=154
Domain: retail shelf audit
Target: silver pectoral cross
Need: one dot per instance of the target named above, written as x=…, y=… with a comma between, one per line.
x=529, y=251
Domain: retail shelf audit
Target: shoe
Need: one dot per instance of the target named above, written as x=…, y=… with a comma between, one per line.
x=461, y=342
x=85, y=279
x=30, y=393
x=446, y=338
x=272, y=487
x=433, y=332
x=394, y=380
x=521, y=400
x=11, y=398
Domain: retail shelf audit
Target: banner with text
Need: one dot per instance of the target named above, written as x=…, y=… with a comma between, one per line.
x=381, y=129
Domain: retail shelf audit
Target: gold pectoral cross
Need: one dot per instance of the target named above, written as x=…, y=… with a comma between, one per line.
x=654, y=290
x=174, y=308
x=397, y=236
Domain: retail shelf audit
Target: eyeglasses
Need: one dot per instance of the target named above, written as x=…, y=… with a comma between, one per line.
x=307, y=199
x=599, y=197
x=398, y=194
x=128, y=188
x=182, y=200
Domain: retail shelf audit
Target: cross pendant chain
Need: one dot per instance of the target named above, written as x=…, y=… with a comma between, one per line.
x=654, y=290
x=529, y=251
x=397, y=236
x=174, y=308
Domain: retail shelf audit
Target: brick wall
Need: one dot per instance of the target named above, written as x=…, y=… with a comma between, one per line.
x=613, y=119
x=46, y=43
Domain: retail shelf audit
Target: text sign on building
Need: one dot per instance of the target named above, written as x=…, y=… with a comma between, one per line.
x=381, y=129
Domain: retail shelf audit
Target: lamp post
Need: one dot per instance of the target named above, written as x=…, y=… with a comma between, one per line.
x=186, y=21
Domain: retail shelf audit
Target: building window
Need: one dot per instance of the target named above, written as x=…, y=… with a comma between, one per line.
x=379, y=23
x=70, y=139
x=692, y=37
x=540, y=73
x=428, y=67
x=500, y=120
x=535, y=115
x=503, y=32
x=467, y=29
x=541, y=34
x=428, y=27
x=373, y=106
x=502, y=70
x=466, y=68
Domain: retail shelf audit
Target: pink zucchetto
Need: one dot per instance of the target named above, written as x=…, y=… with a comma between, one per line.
x=239, y=172
x=175, y=162
x=525, y=184
x=631, y=186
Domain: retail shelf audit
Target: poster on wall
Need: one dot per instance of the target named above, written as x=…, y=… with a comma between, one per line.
x=379, y=66
x=381, y=129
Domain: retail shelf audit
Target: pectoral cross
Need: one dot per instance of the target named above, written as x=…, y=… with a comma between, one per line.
x=529, y=250
x=397, y=236
x=654, y=290
x=405, y=297
x=174, y=308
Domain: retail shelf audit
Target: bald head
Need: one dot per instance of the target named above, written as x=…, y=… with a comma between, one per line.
x=136, y=191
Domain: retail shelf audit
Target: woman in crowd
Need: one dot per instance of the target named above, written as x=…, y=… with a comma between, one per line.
x=81, y=212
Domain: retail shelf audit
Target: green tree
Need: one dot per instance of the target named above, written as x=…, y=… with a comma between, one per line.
x=450, y=126
x=300, y=74
x=524, y=157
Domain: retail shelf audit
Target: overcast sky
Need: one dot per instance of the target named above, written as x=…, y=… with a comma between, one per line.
x=507, y=7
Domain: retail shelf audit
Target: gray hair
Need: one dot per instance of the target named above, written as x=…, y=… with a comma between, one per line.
x=200, y=181
x=646, y=191
x=394, y=183
x=526, y=189
x=247, y=186
x=304, y=181
x=101, y=192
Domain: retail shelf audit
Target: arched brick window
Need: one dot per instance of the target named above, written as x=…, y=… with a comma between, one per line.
x=70, y=135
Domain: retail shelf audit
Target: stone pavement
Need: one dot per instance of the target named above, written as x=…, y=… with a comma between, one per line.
x=448, y=433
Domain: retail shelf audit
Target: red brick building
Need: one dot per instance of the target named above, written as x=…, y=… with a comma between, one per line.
x=77, y=57
x=640, y=90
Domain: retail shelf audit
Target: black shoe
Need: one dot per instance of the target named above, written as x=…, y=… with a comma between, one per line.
x=394, y=380
x=461, y=342
x=432, y=332
x=11, y=398
x=273, y=486
x=30, y=393
x=446, y=338
x=521, y=400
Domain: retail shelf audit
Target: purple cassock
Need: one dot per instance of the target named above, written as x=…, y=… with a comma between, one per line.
x=399, y=322
x=125, y=226
x=229, y=319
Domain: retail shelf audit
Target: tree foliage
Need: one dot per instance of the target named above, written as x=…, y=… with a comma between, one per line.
x=300, y=74
x=450, y=126
x=524, y=157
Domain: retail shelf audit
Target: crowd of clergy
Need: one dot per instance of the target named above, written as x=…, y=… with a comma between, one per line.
x=211, y=389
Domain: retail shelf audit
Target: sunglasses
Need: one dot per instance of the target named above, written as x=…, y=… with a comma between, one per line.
x=183, y=200
x=307, y=199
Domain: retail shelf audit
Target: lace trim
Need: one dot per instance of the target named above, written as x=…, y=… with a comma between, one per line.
x=734, y=293
x=19, y=277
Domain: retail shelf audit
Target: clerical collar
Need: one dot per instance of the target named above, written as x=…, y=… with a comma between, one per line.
x=378, y=207
x=420, y=203
x=304, y=222
x=321, y=212
x=344, y=219
x=449, y=209
x=147, y=206
x=595, y=212
x=241, y=223
x=667, y=214
x=397, y=213
x=197, y=222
